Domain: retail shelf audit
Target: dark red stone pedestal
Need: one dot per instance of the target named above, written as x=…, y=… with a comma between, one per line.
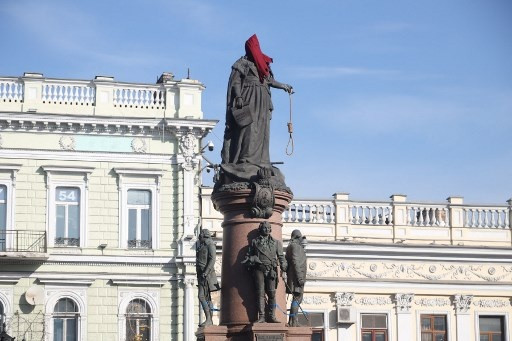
x=238, y=299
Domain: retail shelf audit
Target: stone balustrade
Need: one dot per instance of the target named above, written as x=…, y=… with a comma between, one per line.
x=395, y=221
x=102, y=96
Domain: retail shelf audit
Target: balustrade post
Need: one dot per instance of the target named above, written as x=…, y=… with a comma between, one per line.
x=104, y=92
x=456, y=214
x=32, y=94
x=342, y=215
x=509, y=202
x=400, y=217
x=190, y=98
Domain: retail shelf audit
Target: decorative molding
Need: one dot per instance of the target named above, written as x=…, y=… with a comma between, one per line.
x=432, y=302
x=462, y=303
x=67, y=142
x=189, y=282
x=403, y=302
x=188, y=149
x=62, y=155
x=315, y=300
x=139, y=282
x=64, y=281
x=79, y=124
x=410, y=271
x=344, y=299
x=492, y=303
x=139, y=145
x=374, y=300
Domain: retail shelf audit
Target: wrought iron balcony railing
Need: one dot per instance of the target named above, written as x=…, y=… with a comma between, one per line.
x=23, y=241
x=139, y=244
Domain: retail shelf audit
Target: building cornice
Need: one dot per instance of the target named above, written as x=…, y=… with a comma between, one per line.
x=80, y=124
x=343, y=250
x=48, y=154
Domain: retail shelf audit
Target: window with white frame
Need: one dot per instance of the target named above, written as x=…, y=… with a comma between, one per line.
x=138, y=321
x=65, y=320
x=8, y=174
x=67, y=216
x=139, y=195
x=139, y=218
x=138, y=313
x=67, y=195
x=374, y=327
x=3, y=217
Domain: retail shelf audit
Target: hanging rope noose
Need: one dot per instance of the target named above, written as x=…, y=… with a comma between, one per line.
x=289, y=151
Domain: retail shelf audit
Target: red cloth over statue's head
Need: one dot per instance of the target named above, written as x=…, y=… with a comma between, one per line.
x=253, y=52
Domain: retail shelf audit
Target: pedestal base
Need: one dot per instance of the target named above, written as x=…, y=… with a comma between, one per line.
x=255, y=332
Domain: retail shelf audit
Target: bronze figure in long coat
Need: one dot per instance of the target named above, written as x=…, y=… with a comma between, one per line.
x=296, y=274
x=206, y=277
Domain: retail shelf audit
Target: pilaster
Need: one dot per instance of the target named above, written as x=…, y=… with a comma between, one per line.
x=189, y=309
x=463, y=318
x=404, y=319
x=344, y=300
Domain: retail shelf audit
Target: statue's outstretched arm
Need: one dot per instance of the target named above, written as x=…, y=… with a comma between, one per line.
x=278, y=85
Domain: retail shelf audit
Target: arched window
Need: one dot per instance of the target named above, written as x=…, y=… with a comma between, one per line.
x=138, y=321
x=65, y=320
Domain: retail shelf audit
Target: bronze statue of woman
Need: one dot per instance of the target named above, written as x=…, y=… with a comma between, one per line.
x=248, y=114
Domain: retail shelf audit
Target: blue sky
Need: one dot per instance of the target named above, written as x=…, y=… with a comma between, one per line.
x=410, y=97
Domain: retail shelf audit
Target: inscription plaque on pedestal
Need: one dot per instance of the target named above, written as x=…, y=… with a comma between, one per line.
x=269, y=337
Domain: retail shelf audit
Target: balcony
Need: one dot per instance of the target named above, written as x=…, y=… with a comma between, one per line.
x=396, y=221
x=23, y=244
x=102, y=96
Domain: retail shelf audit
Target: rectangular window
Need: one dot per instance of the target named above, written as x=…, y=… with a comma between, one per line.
x=374, y=327
x=3, y=217
x=433, y=328
x=491, y=328
x=67, y=213
x=139, y=218
x=316, y=321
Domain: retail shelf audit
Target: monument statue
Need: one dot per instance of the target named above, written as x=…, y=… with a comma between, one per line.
x=249, y=110
x=263, y=257
x=296, y=274
x=206, y=277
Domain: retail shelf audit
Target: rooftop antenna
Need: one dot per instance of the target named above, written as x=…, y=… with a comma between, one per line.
x=188, y=73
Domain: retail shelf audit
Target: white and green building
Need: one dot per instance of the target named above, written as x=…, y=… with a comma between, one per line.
x=99, y=207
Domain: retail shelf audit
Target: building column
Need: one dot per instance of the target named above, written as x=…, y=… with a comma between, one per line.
x=344, y=300
x=404, y=320
x=463, y=318
x=189, y=310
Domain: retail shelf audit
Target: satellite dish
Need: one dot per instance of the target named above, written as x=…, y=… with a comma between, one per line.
x=34, y=295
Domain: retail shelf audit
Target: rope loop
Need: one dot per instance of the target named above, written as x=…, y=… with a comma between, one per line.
x=291, y=144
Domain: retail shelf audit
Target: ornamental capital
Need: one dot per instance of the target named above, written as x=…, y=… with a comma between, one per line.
x=344, y=299
x=462, y=302
x=403, y=302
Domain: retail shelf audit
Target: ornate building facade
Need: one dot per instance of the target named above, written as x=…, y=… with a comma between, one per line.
x=401, y=271
x=99, y=206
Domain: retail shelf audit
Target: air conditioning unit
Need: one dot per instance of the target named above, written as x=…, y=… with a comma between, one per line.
x=346, y=315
